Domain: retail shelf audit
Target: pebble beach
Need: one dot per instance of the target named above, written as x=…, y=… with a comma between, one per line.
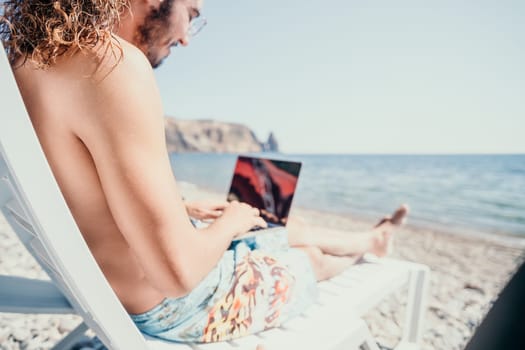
x=467, y=274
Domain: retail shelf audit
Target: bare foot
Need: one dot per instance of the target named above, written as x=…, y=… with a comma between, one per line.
x=382, y=239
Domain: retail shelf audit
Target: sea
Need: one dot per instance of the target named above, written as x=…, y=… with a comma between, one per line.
x=473, y=194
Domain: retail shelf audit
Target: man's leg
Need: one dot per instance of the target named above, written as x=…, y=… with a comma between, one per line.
x=326, y=266
x=337, y=243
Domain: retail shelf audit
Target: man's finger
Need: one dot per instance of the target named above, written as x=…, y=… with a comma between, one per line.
x=215, y=213
x=260, y=222
x=219, y=205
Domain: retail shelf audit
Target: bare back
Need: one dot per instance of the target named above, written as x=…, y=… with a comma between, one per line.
x=58, y=102
x=101, y=125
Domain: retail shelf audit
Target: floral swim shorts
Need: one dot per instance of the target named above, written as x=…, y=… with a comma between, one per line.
x=259, y=283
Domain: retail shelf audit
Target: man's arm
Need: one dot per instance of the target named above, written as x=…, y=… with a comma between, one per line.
x=125, y=138
x=205, y=209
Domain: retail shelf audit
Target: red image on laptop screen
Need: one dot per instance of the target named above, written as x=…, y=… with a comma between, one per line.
x=266, y=184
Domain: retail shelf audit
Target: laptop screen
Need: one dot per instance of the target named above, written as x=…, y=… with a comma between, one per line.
x=266, y=184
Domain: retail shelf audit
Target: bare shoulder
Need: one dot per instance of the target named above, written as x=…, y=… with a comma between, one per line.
x=121, y=60
x=123, y=88
x=124, y=67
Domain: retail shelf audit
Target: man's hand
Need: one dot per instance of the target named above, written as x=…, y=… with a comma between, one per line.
x=205, y=209
x=239, y=218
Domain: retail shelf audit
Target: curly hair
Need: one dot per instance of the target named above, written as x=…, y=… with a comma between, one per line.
x=41, y=31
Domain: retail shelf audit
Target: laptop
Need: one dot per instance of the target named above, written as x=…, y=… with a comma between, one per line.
x=268, y=185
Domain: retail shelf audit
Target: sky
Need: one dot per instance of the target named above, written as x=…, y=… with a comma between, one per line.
x=346, y=76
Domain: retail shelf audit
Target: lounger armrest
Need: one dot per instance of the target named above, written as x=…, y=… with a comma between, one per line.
x=24, y=295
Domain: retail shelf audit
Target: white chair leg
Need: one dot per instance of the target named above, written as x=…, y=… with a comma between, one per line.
x=72, y=338
x=416, y=308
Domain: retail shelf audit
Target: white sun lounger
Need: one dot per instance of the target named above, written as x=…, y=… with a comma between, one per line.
x=34, y=207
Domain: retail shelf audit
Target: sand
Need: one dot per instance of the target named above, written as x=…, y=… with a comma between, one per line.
x=467, y=275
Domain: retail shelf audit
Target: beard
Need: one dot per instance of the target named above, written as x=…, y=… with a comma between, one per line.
x=155, y=26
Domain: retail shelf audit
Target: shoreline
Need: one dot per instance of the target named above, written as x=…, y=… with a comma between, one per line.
x=503, y=238
x=467, y=274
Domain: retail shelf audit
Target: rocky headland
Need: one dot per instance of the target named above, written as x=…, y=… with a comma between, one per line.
x=214, y=136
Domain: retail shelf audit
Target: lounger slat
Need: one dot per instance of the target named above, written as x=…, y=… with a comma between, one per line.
x=312, y=310
x=250, y=342
x=153, y=344
x=5, y=192
x=333, y=288
x=13, y=211
x=343, y=281
x=4, y=171
x=216, y=346
x=274, y=338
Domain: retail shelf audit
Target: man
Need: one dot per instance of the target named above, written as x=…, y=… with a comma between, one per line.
x=84, y=69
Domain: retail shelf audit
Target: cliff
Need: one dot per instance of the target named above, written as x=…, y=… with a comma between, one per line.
x=214, y=136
